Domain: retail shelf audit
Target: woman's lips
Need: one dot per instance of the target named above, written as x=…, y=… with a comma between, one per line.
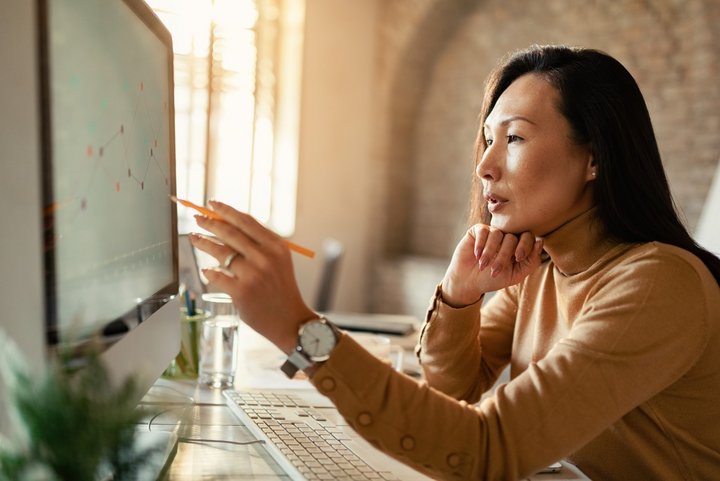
x=495, y=203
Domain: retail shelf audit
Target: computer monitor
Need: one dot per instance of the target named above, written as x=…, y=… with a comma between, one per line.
x=89, y=234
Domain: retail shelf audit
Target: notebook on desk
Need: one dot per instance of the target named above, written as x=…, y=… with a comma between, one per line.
x=393, y=324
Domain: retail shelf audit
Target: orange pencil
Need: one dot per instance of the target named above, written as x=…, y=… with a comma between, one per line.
x=214, y=215
x=203, y=210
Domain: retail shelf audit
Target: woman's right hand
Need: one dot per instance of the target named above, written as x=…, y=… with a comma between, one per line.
x=487, y=259
x=259, y=277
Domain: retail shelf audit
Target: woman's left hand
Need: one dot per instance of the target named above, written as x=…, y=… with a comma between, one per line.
x=260, y=279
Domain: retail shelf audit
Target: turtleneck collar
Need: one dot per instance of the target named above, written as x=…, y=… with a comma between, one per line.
x=577, y=244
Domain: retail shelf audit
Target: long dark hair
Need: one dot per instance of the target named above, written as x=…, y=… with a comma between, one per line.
x=606, y=110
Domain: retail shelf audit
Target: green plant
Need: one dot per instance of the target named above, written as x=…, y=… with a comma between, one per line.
x=69, y=424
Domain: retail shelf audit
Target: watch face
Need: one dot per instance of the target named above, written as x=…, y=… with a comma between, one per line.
x=317, y=339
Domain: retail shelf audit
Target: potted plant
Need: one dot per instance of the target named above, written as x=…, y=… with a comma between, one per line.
x=67, y=424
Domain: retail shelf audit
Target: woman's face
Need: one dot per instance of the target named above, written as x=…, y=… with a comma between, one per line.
x=534, y=177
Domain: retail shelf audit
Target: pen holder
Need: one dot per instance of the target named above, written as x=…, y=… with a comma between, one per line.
x=187, y=362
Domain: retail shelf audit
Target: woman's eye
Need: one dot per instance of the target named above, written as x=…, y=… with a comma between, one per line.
x=488, y=142
x=513, y=138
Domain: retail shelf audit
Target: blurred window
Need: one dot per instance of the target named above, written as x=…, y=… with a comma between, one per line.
x=237, y=104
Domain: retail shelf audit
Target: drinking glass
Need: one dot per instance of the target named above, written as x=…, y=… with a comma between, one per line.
x=218, y=341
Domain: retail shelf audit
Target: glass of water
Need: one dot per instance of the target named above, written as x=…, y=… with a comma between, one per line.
x=218, y=341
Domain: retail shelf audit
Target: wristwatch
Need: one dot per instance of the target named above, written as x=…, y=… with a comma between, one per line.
x=316, y=341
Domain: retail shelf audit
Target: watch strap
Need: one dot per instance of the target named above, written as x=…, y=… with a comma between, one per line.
x=296, y=361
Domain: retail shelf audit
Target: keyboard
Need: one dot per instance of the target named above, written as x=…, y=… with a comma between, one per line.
x=308, y=438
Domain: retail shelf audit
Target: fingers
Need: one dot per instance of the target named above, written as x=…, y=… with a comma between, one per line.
x=220, y=280
x=228, y=236
x=242, y=233
x=524, y=246
x=244, y=222
x=210, y=245
x=505, y=256
x=500, y=251
x=493, y=248
x=480, y=235
x=489, y=250
x=218, y=250
x=535, y=254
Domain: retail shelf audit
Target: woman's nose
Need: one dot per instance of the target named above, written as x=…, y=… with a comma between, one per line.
x=488, y=167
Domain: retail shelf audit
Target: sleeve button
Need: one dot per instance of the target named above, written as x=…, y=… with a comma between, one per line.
x=327, y=384
x=364, y=419
x=407, y=443
x=453, y=460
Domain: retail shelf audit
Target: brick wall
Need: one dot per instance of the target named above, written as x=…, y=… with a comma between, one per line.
x=434, y=56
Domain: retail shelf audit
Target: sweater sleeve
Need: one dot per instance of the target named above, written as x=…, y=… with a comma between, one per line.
x=462, y=356
x=641, y=330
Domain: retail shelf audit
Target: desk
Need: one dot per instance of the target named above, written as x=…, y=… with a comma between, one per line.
x=201, y=418
x=199, y=413
x=208, y=419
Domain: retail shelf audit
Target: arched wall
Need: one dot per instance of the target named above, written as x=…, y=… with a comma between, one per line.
x=433, y=60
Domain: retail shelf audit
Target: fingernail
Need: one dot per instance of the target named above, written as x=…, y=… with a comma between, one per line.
x=483, y=263
x=520, y=255
x=495, y=271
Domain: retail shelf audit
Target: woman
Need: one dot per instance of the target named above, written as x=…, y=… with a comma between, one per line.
x=607, y=312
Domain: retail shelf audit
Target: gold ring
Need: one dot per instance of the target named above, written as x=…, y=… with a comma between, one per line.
x=229, y=260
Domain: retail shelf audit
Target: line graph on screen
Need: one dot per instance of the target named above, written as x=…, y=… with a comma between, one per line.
x=119, y=173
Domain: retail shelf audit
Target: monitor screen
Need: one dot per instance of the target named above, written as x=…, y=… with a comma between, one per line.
x=110, y=228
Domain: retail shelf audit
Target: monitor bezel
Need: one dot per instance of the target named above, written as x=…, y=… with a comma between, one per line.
x=130, y=318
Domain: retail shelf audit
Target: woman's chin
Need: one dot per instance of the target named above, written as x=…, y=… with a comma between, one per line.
x=505, y=224
x=509, y=227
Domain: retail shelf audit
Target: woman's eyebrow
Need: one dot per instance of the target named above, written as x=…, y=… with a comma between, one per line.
x=513, y=118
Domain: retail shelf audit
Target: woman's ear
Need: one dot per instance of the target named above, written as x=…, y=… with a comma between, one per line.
x=592, y=168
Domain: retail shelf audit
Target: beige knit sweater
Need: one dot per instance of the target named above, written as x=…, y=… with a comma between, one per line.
x=614, y=352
